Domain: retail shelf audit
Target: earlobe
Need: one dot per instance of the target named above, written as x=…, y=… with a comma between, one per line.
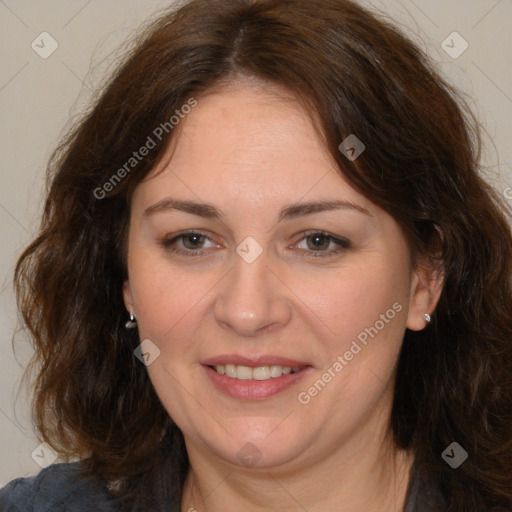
x=425, y=291
x=128, y=303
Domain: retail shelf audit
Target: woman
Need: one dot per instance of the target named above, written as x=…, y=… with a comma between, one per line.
x=269, y=277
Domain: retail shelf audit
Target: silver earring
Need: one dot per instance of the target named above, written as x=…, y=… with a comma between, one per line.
x=132, y=322
x=427, y=317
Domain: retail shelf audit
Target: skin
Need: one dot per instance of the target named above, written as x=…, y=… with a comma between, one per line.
x=250, y=150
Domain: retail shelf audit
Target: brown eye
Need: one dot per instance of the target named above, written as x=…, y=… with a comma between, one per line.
x=319, y=244
x=193, y=241
x=189, y=244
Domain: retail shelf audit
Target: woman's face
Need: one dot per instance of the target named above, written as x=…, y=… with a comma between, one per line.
x=249, y=255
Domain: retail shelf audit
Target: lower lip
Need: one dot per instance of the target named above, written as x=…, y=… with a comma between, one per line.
x=254, y=389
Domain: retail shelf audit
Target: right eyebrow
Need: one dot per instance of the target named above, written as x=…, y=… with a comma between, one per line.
x=200, y=209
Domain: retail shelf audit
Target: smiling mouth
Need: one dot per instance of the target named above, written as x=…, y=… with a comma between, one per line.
x=260, y=373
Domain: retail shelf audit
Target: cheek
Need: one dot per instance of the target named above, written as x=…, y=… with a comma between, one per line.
x=353, y=299
x=168, y=301
x=365, y=315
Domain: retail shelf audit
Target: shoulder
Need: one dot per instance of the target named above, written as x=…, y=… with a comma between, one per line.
x=57, y=488
x=423, y=495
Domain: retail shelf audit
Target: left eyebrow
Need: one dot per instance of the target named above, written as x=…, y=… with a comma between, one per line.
x=300, y=209
x=292, y=211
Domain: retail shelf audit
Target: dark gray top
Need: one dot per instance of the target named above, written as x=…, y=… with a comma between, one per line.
x=61, y=488
x=57, y=488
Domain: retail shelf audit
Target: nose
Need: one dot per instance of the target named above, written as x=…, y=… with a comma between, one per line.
x=252, y=299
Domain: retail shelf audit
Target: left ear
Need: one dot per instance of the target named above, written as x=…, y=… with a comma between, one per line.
x=127, y=297
x=426, y=287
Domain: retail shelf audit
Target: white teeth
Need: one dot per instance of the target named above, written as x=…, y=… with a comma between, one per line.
x=261, y=373
x=230, y=371
x=258, y=373
x=276, y=371
x=243, y=373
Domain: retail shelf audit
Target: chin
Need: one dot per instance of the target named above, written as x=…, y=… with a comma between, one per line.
x=258, y=444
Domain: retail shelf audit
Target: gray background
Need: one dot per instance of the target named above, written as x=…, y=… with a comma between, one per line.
x=38, y=97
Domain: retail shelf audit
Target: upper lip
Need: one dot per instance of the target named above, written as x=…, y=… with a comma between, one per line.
x=253, y=361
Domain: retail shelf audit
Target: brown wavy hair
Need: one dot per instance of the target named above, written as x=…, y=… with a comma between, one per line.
x=357, y=74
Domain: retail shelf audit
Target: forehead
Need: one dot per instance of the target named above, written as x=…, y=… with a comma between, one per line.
x=241, y=123
x=245, y=138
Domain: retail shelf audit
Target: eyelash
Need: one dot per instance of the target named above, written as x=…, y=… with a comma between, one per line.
x=342, y=244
